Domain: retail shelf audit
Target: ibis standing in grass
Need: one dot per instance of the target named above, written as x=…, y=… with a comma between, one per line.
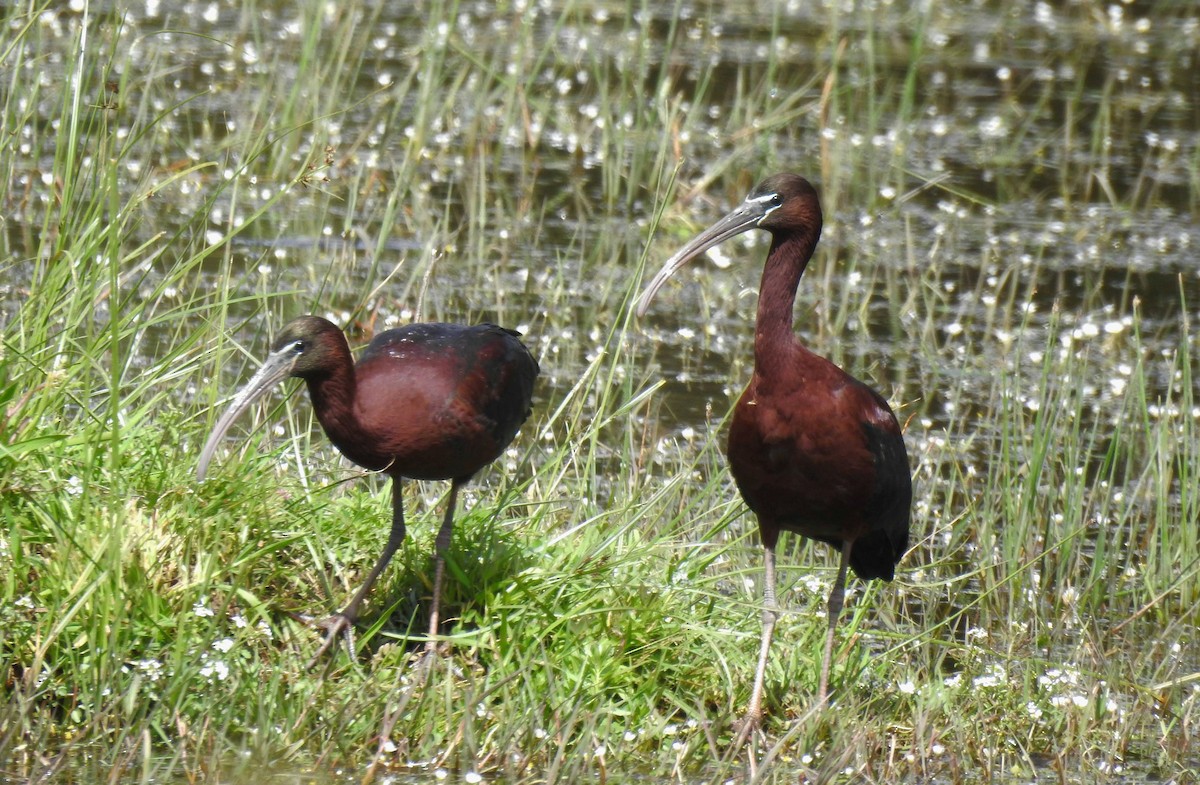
x=424, y=402
x=813, y=450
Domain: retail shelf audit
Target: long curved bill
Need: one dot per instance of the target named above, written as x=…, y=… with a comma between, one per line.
x=277, y=368
x=741, y=219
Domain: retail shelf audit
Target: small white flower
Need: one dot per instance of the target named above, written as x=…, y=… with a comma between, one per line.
x=74, y=486
x=215, y=668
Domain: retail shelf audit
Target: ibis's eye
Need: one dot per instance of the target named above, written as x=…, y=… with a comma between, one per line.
x=298, y=347
x=776, y=199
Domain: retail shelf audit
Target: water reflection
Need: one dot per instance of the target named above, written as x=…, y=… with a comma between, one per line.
x=1003, y=186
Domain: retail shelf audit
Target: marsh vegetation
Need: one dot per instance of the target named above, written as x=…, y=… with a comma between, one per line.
x=1011, y=193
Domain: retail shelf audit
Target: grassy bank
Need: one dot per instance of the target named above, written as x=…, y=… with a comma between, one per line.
x=604, y=576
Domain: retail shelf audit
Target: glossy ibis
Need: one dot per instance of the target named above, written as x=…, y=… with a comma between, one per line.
x=424, y=402
x=812, y=449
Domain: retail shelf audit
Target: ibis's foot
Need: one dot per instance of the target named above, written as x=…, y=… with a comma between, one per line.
x=425, y=658
x=336, y=626
x=745, y=728
x=422, y=662
x=436, y=649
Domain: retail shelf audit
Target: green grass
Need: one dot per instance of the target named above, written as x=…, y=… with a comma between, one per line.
x=604, y=577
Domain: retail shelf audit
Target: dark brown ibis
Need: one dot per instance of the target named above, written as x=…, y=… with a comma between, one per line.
x=424, y=402
x=813, y=450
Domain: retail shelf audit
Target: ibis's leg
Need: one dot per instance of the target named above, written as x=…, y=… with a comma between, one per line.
x=837, y=597
x=441, y=545
x=342, y=622
x=770, y=612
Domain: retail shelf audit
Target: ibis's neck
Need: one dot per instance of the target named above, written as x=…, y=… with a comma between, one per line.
x=773, y=336
x=333, y=394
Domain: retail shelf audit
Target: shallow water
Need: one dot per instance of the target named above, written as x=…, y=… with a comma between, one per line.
x=1058, y=142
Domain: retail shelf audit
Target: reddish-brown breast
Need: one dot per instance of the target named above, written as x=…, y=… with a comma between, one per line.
x=437, y=401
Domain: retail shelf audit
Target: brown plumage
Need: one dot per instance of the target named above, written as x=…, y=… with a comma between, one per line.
x=813, y=450
x=425, y=402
